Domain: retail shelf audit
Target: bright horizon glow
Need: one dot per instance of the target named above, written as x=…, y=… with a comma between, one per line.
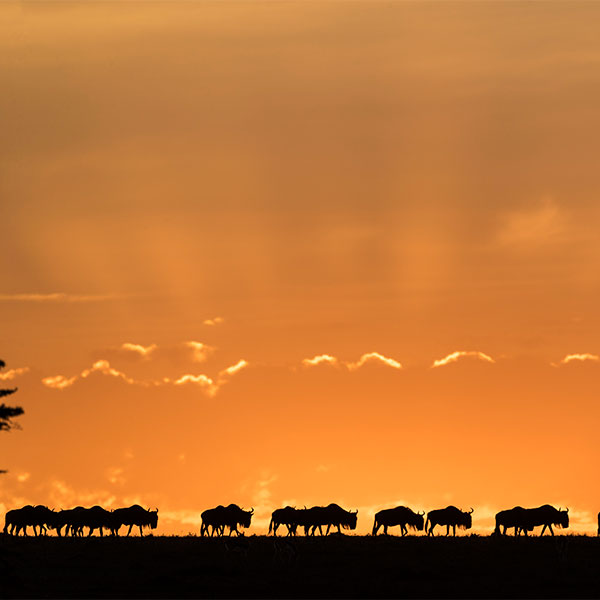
x=301, y=252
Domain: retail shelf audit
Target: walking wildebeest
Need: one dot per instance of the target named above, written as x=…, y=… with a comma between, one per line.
x=288, y=516
x=225, y=516
x=332, y=516
x=514, y=517
x=133, y=515
x=93, y=518
x=547, y=516
x=450, y=517
x=401, y=515
x=19, y=519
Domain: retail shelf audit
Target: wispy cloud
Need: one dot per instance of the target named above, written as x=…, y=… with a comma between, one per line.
x=13, y=373
x=199, y=350
x=537, y=224
x=59, y=382
x=579, y=358
x=327, y=359
x=201, y=380
x=143, y=351
x=459, y=355
x=320, y=359
x=103, y=367
x=58, y=297
x=374, y=357
x=241, y=364
x=214, y=321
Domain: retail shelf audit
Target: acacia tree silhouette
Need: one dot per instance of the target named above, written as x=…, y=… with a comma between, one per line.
x=8, y=413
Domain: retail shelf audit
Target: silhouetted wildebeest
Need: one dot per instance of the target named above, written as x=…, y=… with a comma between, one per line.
x=134, y=515
x=225, y=516
x=450, y=517
x=598, y=524
x=93, y=518
x=19, y=519
x=65, y=518
x=401, y=515
x=332, y=516
x=547, y=516
x=289, y=516
x=514, y=517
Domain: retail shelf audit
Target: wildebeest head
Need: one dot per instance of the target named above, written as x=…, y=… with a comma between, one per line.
x=417, y=521
x=563, y=518
x=153, y=518
x=246, y=517
x=467, y=521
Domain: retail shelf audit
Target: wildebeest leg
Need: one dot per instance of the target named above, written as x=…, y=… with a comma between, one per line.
x=141, y=533
x=403, y=530
x=454, y=530
x=447, y=530
x=130, y=528
x=327, y=530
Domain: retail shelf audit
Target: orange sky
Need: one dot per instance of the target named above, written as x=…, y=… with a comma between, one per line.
x=276, y=181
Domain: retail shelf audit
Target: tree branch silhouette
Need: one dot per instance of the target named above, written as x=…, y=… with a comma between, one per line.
x=8, y=413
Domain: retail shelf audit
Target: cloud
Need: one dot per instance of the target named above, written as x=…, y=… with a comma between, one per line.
x=58, y=297
x=143, y=351
x=374, y=357
x=13, y=373
x=115, y=475
x=327, y=359
x=262, y=502
x=59, y=382
x=320, y=359
x=199, y=350
x=323, y=468
x=103, y=367
x=461, y=354
x=579, y=358
x=535, y=225
x=203, y=381
x=214, y=321
x=241, y=364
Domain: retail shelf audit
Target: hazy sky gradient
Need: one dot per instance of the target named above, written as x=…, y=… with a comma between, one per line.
x=340, y=178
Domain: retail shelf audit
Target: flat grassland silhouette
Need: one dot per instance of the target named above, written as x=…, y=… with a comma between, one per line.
x=309, y=567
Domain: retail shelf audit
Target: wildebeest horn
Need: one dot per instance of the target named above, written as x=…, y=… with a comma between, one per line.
x=252, y=511
x=471, y=511
x=567, y=509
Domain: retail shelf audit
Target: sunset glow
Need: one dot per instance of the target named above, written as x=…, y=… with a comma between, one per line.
x=294, y=253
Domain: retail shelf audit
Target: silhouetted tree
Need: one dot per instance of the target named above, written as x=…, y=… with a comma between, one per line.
x=8, y=413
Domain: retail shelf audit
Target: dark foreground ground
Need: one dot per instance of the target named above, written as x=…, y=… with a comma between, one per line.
x=349, y=567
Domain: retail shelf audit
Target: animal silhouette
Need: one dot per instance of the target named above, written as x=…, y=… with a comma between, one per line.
x=133, y=516
x=225, y=516
x=450, y=517
x=289, y=516
x=401, y=515
x=332, y=515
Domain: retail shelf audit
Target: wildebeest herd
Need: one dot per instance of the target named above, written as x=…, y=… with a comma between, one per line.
x=226, y=519
x=73, y=521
